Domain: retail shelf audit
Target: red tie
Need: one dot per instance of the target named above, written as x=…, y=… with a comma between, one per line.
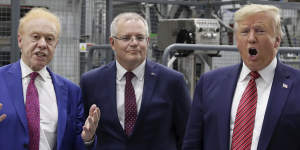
x=33, y=113
x=245, y=116
x=130, y=104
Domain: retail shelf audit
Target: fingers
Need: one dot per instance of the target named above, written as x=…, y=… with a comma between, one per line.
x=86, y=127
x=91, y=123
x=3, y=116
x=95, y=114
x=92, y=108
x=89, y=129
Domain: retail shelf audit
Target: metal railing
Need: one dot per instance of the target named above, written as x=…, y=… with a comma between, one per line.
x=204, y=47
x=188, y=47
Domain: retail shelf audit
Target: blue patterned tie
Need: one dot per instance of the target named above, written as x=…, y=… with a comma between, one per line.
x=33, y=113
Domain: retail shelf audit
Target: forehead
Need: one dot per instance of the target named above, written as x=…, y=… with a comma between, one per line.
x=257, y=20
x=127, y=26
x=40, y=25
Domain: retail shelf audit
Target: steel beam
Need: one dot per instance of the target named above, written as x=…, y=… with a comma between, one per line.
x=15, y=16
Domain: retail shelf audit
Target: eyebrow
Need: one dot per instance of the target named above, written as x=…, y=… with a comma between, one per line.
x=255, y=25
x=44, y=34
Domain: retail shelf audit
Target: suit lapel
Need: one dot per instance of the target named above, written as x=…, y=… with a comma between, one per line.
x=281, y=87
x=110, y=77
x=150, y=76
x=61, y=98
x=15, y=85
x=228, y=86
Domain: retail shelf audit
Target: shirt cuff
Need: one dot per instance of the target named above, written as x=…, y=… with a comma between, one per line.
x=90, y=142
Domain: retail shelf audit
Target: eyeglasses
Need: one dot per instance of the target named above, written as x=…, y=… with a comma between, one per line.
x=128, y=38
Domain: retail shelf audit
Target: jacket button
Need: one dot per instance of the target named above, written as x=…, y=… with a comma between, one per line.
x=25, y=146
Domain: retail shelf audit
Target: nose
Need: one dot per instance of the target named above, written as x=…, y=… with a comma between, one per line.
x=252, y=37
x=133, y=41
x=42, y=43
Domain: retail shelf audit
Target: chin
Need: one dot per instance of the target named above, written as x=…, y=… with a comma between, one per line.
x=38, y=67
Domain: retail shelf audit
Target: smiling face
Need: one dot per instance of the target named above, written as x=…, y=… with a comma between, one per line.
x=130, y=53
x=257, y=33
x=38, y=42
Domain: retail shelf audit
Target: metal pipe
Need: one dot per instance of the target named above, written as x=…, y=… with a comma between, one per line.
x=15, y=16
x=205, y=47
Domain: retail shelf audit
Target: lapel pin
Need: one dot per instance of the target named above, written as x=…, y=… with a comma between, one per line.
x=153, y=74
x=284, y=85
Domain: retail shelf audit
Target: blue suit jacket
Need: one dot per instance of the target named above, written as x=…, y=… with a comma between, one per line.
x=208, y=125
x=163, y=114
x=14, y=129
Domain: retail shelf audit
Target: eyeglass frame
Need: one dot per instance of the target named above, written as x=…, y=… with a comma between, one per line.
x=126, y=39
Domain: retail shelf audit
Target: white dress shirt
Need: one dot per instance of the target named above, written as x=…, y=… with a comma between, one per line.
x=138, y=84
x=48, y=105
x=263, y=84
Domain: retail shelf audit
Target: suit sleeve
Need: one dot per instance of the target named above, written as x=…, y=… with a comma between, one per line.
x=79, y=121
x=182, y=106
x=86, y=107
x=193, y=137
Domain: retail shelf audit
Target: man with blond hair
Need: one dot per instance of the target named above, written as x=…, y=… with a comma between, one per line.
x=40, y=109
x=254, y=105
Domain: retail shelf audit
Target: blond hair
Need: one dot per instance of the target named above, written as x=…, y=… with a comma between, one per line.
x=126, y=16
x=252, y=9
x=39, y=13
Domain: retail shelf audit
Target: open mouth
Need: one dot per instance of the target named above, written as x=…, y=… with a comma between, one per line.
x=252, y=51
x=40, y=54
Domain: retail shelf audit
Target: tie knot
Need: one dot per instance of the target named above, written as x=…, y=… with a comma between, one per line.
x=254, y=75
x=33, y=75
x=129, y=75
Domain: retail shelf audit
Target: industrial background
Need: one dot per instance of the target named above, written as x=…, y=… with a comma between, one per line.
x=85, y=30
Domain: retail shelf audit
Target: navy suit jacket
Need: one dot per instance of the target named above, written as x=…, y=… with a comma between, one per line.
x=208, y=125
x=14, y=129
x=162, y=117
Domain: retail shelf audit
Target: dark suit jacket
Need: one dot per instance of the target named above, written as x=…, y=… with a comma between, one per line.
x=14, y=129
x=208, y=125
x=163, y=114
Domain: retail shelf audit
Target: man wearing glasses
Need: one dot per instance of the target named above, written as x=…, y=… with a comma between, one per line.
x=143, y=105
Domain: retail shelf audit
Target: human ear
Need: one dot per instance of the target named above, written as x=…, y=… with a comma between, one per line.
x=277, y=41
x=111, y=41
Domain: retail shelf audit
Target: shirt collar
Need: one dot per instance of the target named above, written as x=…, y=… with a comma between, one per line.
x=266, y=73
x=26, y=70
x=138, y=71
